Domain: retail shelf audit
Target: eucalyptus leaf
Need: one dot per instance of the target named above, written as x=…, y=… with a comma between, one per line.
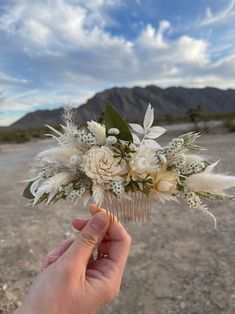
x=112, y=119
x=148, y=118
x=137, y=128
x=27, y=193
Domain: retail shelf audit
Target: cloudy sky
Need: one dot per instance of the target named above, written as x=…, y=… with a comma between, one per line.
x=55, y=51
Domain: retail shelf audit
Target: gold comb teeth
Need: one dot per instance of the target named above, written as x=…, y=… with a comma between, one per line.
x=137, y=208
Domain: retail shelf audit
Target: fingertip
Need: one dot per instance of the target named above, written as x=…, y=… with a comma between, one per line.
x=100, y=221
x=94, y=209
x=79, y=223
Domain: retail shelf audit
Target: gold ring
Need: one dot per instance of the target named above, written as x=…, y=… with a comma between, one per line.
x=101, y=255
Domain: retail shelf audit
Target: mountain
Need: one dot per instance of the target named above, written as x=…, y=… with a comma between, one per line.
x=132, y=103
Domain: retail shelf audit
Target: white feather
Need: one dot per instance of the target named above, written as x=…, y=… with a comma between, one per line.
x=208, y=182
x=59, y=152
x=98, y=130
x=210, y=168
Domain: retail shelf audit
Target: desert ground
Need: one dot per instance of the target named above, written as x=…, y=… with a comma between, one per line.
x=178, y=263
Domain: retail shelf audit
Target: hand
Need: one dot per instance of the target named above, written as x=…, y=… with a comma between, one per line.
x=72, y=280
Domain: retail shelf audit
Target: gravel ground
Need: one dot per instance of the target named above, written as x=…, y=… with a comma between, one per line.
x=178, y=263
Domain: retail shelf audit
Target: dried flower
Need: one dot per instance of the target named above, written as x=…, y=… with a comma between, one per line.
x=98, y=130
x=142, y=162
x=100, y=165
x=50, y=186
x=109, y=161
x=164, y=185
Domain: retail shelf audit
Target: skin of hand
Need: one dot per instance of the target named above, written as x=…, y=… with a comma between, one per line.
x=72, y=280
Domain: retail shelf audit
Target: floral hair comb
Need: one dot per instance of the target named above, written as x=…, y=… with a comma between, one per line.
x=124, y=171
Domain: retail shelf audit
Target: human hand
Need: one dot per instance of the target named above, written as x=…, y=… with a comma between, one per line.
x=72, y=280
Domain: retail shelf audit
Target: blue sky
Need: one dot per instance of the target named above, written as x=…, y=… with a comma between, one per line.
x=60, y=51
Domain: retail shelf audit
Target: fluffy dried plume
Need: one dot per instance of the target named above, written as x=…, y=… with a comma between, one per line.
x=207, y=181
x=98, y=130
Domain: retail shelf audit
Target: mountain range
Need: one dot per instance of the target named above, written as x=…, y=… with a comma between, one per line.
x=132, y=104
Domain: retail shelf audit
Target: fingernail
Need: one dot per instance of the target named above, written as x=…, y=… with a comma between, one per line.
x=99, y=221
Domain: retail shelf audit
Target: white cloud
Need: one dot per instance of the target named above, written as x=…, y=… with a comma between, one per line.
x=152, y=38
x=225, y=69
x=72, y=51
x=191, y=50
x=59, y=24
x=224, y=14
x=13, y=81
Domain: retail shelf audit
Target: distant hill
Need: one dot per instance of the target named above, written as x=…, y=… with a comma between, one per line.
x=132, y=103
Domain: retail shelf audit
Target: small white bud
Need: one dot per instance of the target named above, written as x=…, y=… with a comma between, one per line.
x=110, y=140
x=113, y=131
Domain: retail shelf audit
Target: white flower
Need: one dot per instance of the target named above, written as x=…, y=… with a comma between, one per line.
x=139, y=164
x=98, y=130
x=50, y=186
x=143, y=162
x=100, y=165
x=164, y=185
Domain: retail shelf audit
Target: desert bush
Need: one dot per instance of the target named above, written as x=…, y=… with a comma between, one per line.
x=15, y=136
x=230, y=124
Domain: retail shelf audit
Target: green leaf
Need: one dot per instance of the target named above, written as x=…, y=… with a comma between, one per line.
x=27, y=193
x=112, y=119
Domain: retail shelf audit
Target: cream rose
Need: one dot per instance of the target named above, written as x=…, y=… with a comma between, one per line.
x=165, y=181
x=139, y=165
x=142, y=163
x=100, y=165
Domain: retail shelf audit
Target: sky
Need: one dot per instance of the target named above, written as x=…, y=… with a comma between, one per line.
x=64, y=51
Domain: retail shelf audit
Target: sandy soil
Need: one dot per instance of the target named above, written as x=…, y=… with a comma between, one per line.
x=178, y=263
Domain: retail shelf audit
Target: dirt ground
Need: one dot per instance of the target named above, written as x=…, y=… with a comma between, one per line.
x=178, y=263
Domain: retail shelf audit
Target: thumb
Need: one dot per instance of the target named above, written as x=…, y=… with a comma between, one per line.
x=89, y=238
